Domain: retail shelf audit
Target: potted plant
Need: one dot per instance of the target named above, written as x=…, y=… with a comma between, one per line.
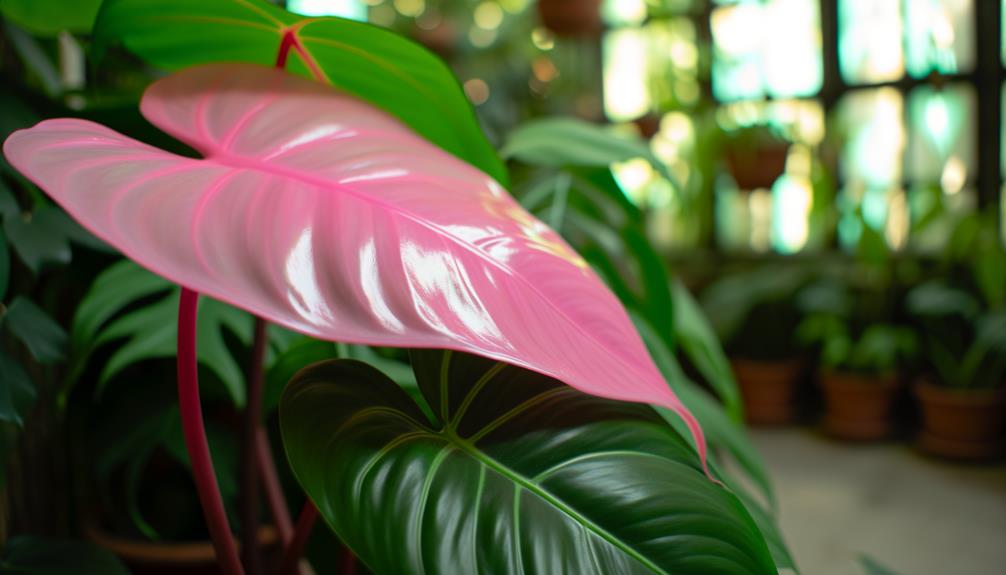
x=858, y=373
x=755, y=314
x=961, y=392
x=962, y=315
x=859, y=350
x=755, y=155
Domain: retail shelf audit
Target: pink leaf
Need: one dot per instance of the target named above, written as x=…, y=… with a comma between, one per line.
x=325, y=215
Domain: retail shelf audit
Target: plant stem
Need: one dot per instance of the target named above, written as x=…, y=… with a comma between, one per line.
x=248, y=492
x=273, y=490
x=291, y=557
x=195, y=437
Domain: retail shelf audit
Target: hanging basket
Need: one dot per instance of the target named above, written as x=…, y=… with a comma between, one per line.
x=571, y=17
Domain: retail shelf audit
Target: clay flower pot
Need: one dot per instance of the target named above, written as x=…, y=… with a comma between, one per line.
x=571, y=17
x=858, y=406
x=962, y=423
x=768, y=389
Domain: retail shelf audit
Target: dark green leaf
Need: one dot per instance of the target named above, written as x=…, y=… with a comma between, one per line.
x=4, y=267
x=43, y=337
x=300, y=353
x=523, y=474
x=563, y=142
x=29, y=555
x=17, y=393
x=152, y=332
x=50, y=17
x=34, y=57
x=727, y=436
x=38, y=238
x=697, y=340
x=377, y=65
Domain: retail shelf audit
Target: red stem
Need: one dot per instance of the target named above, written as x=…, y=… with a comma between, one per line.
x=248, y=494
x=195, y=438
x=291, y=558
x=273, y=490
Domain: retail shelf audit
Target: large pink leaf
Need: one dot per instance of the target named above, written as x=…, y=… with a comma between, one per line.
x=323, y=214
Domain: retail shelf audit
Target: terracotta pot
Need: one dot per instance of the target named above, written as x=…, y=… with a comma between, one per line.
x=768, y=389
x=858, y=406
x=571, y=17
x=758, y=167
x=962, y=423
x=168, y=558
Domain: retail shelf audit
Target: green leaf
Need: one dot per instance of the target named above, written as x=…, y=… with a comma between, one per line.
x=523, y=474
x=564, y=142
x=17, y=393
x=29, y=555
x=699, y=343
x=151, y=331
x=50, y=17
x=301, y=352
x=34, y=57
x=43, y=337
x=4, y=267
x=38, y=238
x=374, y=64
x=873, y=567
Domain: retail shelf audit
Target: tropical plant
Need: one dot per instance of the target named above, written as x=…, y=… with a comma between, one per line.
x=378, y=215
x=962, y=309
x=845, y=339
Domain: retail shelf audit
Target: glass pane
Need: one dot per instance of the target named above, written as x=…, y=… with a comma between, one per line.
x=873, y=137
x=870, y=48
x=792, y=50
x=650, y=69
x=354, y=9
x=939, y=36
x=941, y=143
x=626, y=96
x=624, y=12
x=751, y=59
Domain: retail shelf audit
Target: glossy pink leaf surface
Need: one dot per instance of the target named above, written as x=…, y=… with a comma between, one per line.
x=323, y=214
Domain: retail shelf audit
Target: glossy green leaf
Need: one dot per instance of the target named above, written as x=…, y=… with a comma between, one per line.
x=17, y=392
x=44, y=338
x=30, y=555
x=519, y=474
x=699, y=343
x=563, y=142
x=721, y=432
x=50, y=17
x=374, y=64
x=301, y=352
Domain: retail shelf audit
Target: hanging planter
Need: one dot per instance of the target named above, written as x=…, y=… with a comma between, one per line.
x=571, y=17
x=756, y=157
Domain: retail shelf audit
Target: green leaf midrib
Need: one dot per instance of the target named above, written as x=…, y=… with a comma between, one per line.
x=452, y=439
x=527, y=484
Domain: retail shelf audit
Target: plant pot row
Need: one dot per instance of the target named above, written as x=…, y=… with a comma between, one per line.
x=957, y=424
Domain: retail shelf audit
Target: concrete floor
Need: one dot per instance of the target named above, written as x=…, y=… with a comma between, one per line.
x=915, y=515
